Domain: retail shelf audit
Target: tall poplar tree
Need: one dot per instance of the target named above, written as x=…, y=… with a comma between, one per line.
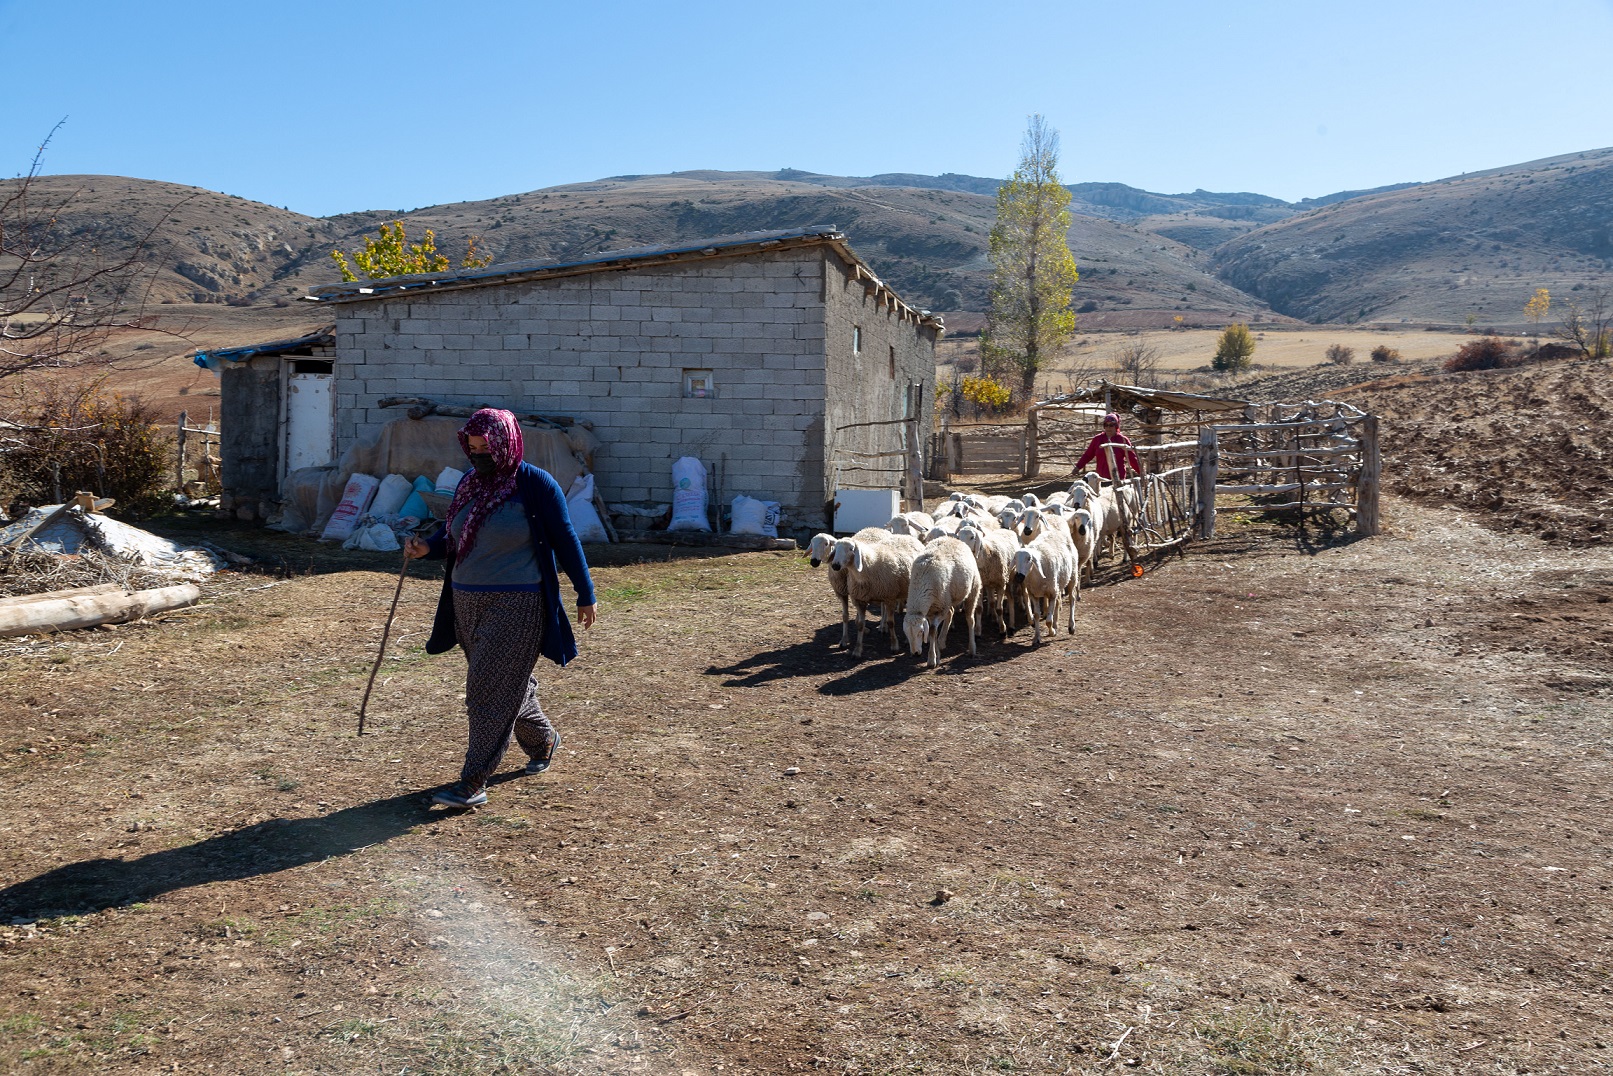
x=1032, y=270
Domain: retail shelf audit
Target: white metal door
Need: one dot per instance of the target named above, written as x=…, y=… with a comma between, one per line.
x=310, y=421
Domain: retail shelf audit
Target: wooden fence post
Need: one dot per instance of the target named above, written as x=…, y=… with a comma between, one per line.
x=915, y=468
x=1207, y=468
x=179, y=472
x=1366, y=490
x=1033, y=455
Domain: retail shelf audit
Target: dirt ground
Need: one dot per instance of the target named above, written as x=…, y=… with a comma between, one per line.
x=1291, y=803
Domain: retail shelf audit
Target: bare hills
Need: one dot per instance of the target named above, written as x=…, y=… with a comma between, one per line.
x=1430, y=252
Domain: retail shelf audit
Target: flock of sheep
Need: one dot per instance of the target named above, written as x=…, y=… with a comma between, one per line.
x=975, y=554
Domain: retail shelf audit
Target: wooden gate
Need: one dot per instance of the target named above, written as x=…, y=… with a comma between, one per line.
x=1319, y=456
x=986, y=449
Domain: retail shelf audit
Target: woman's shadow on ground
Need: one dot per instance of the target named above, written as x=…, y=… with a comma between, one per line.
x=275, y=845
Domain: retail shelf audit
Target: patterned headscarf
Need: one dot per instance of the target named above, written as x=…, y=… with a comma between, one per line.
x=1112, y=417
x=484, y=494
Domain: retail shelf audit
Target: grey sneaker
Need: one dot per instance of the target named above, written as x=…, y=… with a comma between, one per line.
x=538, y=765
x=457, y=795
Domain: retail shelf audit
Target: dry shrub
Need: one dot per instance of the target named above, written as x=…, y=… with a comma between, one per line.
x=1339, y=355
x=79, y=436
x=1485, y=353
x=1385, y=353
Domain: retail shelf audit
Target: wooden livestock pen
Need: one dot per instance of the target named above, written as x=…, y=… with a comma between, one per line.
x=1195, y=449
x=1159, y=507
x=1058, y=429
x=981, y=449
x=1319, y=456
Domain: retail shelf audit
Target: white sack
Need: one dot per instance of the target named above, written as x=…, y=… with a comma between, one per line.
x=377, y=537
x=356, y=498
x=448, y=481
x=394, y=490
x=584, y=516
x=751, y=516
x=688, y=496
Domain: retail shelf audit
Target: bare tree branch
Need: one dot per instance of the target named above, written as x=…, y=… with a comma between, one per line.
x=63, y=290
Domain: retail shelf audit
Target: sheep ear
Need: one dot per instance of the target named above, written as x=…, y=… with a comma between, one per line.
x=856, y=558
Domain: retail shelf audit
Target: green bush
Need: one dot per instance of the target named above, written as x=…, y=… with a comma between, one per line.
x=79, y=436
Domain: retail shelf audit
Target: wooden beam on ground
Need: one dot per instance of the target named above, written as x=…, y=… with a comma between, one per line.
x=87, y=611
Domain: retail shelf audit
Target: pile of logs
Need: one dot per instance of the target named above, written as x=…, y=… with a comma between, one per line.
x=81, y=607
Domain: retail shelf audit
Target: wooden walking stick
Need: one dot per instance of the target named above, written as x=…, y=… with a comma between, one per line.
x=381, y=654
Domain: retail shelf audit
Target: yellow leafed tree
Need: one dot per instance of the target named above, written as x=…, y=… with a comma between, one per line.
x=1032, y=270
x=390, y=254
x=1538, y=306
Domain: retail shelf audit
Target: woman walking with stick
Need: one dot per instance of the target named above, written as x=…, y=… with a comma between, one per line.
x=506, y=532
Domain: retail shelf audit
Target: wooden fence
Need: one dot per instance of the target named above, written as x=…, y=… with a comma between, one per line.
x=1158, y=508
x=206, y=461
x=901, y=467
x=1320, y=457
x=1314, y=457
x=996, y=448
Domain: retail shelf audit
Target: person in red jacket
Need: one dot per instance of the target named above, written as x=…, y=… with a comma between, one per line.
x=1123, y=452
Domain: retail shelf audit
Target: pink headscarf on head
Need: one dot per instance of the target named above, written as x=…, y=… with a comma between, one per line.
x=484, y=493
x=1112, y=417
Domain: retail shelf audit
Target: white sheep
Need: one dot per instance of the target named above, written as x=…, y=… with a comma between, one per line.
x=948, y=526
x=1045, y=570
x=818, y=551
x=876, y=573
x=912, y=524
x=1100, y=498
x=997, y=502
x=1084, y=533
x=994, y=556
x=1043, y=526
x=944, y=580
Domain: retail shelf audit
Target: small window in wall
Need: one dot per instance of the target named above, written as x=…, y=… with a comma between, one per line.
x=311, y=366
x=698, y=385
x=856, y=339
x=893, y=360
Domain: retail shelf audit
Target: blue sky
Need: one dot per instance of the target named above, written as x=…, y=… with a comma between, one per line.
x=337, y=106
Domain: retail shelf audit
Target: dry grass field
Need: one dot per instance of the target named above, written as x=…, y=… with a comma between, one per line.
x=1091, y=355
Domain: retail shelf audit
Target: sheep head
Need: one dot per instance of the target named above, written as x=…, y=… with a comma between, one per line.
x=917, y=630
x=820, y=547
x=846, y=554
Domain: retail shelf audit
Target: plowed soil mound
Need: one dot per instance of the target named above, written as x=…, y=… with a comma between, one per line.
x=1528, y=448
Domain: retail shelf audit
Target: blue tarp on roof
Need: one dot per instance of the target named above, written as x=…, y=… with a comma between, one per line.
x=214, y=360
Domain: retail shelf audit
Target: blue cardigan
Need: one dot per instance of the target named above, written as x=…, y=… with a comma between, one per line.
x=552, y=539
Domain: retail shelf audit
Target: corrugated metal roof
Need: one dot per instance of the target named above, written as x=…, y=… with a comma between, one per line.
x=604, y=261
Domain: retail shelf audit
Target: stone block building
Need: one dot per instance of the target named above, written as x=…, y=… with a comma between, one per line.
x=778, y=358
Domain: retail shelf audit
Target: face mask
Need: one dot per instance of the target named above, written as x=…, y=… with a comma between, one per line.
x=483, y=462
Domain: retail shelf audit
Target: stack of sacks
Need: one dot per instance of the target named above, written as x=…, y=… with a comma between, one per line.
x=414, y=507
